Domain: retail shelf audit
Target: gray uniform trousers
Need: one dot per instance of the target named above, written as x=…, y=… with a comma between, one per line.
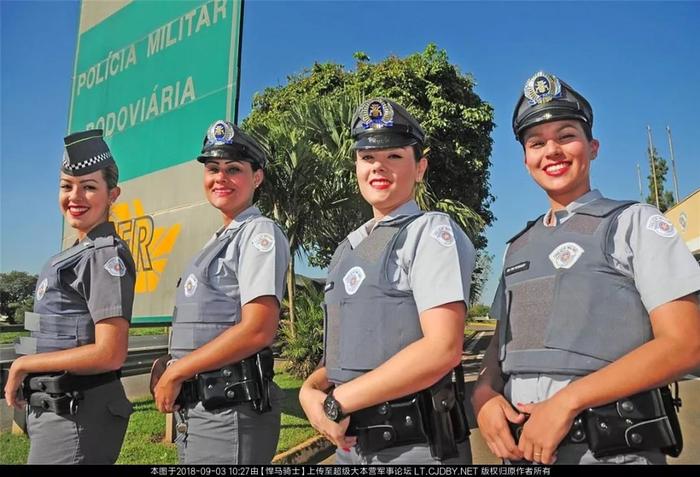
x=529, y=388
x=231, y=435
x=94, y=435
x=417, y=454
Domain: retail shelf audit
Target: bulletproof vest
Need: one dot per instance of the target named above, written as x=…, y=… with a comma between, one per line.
x=367, y=320
x=202, y=312
x=61, y=318
x=569, y=311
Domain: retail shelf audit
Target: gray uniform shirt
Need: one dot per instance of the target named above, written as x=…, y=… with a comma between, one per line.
x=258, y=256
x=435, y=262
x=644, y=247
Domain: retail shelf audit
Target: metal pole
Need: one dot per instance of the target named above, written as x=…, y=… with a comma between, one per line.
x=673, y=164
x=639, y=178
x=653, y=166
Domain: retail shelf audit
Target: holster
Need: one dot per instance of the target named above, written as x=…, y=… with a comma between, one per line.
x=390, y=424
x=157, y=369
x=246, y=381
x=435, y=415
x=644, y=421
x=61, y=392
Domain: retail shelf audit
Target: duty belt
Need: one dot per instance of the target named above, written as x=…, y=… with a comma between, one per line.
x=644, y=421
x=434, y=416
x=61, y=392
x=245, y=381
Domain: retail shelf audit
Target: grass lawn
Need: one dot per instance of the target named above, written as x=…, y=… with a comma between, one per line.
x=11, y=337
x=143, y=442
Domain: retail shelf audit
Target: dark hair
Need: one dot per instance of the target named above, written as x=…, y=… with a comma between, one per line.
x=111, y=176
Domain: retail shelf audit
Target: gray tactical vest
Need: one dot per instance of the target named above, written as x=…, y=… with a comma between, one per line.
x=367, y=320
x=579, y=317
x=202, y=312
x=61, y=318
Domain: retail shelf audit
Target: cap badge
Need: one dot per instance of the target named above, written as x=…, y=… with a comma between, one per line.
x=377, y=113
x=566, y=255
x=220, y=133
x=541, y=88
x=353, y=279
x=661, y=226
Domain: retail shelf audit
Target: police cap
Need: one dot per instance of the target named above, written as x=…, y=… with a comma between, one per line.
x=546, y=98
x=381, y=123
x=85, y=152
x=224, y=140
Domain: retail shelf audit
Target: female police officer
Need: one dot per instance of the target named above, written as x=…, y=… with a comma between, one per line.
x=226, y=315
x=395, y=306
x=78, y=412
x=596, y=305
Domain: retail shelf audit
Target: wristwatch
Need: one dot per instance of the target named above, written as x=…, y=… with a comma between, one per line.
x=332, y=409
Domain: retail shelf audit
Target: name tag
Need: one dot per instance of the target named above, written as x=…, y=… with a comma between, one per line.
x=522, y=266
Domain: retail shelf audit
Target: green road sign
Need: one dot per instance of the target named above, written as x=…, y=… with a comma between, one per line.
x=153, y=75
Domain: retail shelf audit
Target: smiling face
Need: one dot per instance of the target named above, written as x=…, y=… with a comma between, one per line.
x=85, y=200
x=387, y=177
x=558, y=156
x=229, y=185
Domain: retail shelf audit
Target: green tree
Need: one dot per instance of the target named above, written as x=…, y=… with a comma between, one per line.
x=16, y=294
x=303, y=341
x=660, y=167
x=458, y=123
x=309, y=187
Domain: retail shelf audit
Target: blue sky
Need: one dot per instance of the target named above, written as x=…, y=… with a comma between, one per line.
x=636, y=62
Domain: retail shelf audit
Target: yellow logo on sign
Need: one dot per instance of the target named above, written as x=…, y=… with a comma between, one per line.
x=149, y=245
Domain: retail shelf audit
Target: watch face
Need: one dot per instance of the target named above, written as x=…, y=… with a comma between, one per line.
x=330, y=407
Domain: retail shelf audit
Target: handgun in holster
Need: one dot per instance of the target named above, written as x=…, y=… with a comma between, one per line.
x=438, y=402
x=264, y=364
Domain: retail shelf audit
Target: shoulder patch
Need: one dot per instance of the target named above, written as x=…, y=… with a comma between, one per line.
x=263, y=242
x=115, y=267
x=444, y=235
x=566, y=255
x=190, y=285
x=660, y=225
x=41, y=289
x=353, y=279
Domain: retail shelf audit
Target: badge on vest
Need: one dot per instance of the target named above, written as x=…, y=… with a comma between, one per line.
x=566, y=255
x=115, y=267
x=444, y=235
x=660, y=225
x=353, y=279
x=41, y=290
x=190, y=285
x=263, y=242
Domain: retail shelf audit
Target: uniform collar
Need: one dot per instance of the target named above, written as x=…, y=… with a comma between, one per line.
x=105, y=229
x=246, y=216
x=562, y=215
x=408, y=209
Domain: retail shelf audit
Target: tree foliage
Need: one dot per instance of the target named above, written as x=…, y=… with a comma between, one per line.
x=458, y=124
x=16, y=294
x=660, y=167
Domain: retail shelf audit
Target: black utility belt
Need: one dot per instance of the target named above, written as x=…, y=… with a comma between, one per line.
x=61, y=392
x=242, y=382
x=644, y=421
x=434, y=416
